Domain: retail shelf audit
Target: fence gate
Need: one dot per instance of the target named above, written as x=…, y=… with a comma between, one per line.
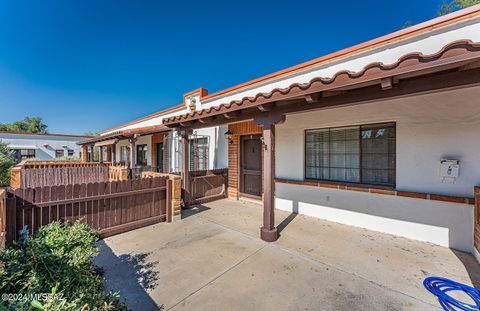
x=112, y=207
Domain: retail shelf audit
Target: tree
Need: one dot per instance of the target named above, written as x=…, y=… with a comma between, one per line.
x=6, y=163
x=453, y=5
x=90, y=133
x=28, y=125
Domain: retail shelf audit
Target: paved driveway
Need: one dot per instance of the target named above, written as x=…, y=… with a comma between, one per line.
x=214, y=260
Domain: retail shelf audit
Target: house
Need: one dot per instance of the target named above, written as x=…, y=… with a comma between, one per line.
x=146, y=144
x=382, y=135
x=42, y=146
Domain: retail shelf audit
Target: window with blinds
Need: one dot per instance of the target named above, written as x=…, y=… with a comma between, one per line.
x=357, y=154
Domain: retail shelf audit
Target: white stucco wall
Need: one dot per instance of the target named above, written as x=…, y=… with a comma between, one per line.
x=427, y=43
x=38, y=142
x=218, y=146
x=148, y=122
x=428, y=128
x=442, y=223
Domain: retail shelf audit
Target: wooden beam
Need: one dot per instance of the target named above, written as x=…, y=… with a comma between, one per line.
x=312, y=98
x=186, y=124
x=432, y=83
x=266, y=107
x=386, y=83
x=231, y=115
x=205, y=120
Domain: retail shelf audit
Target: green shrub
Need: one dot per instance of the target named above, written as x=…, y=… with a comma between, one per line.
x=6, y=163
x=57, y=260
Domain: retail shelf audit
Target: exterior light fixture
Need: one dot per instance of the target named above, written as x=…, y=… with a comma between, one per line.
x=228, y=137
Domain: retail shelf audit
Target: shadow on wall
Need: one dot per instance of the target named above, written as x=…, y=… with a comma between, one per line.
x=447, y=224
x=130, y=274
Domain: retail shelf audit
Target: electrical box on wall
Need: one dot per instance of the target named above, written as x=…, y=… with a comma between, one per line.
x=449, y=170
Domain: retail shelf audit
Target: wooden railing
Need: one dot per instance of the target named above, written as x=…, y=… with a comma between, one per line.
x=117, y=172
x=112, y=207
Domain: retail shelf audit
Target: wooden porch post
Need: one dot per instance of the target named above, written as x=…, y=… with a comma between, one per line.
x=100, y=157
x=114, y=153
x=268, y=232
x=91, y=157
x=85, y=153
x=186, y=182
x=133, y=158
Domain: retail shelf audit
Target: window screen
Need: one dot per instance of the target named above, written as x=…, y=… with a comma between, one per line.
x=358, y=154
x=199, y=154
x=59, y=153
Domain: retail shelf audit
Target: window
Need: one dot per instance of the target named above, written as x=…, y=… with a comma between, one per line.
x=357, y=154
x=59, y=153
x=23, y=154
x=142, y=155
x=199, y=154
x=70, y=152
x=125, y=154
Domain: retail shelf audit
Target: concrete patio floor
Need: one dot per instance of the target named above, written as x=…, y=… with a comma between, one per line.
x=213, y=259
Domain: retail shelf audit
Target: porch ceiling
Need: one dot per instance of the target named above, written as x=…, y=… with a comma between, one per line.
x=455, y=66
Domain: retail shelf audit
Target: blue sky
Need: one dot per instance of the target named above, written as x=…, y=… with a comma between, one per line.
x=87, y=65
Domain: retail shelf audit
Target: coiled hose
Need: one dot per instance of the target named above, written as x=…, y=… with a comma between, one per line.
x=440, y=288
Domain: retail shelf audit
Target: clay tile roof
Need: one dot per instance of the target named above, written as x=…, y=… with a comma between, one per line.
x=457, y=52
x=146, y=130
x=126, y=133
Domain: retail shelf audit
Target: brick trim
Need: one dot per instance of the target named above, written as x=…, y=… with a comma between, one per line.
x=376, y=190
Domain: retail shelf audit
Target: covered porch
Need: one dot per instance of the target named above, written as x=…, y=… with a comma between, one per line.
x=138, y=149
x=214, y=260
x=413, y=80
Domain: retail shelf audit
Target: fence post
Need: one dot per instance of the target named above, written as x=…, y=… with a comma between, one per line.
x=169, y=200
x=11, y=219
x=3, y=218
x=15, y=176
x=476, y=222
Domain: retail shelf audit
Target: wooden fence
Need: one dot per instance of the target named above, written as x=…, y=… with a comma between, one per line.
x=112, y=207
x=209, y=185
x=54, y=173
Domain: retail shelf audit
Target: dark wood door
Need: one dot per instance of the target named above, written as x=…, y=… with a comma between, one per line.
x=251, y=165
x=160, y=157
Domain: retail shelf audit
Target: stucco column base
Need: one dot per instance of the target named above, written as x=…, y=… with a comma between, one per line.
x=269, y=235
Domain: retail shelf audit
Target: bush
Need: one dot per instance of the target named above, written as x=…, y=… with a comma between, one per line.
x=6, y=163
x=57, y=260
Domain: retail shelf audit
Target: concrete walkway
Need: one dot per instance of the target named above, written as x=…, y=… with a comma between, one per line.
x=214, y=260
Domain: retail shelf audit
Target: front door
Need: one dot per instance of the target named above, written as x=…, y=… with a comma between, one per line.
x=251, y=166
x=159, y=167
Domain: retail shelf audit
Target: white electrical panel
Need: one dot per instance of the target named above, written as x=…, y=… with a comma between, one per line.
x=449, y=170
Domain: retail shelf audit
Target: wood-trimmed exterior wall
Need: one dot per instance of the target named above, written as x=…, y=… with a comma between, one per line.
x=237, y=130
